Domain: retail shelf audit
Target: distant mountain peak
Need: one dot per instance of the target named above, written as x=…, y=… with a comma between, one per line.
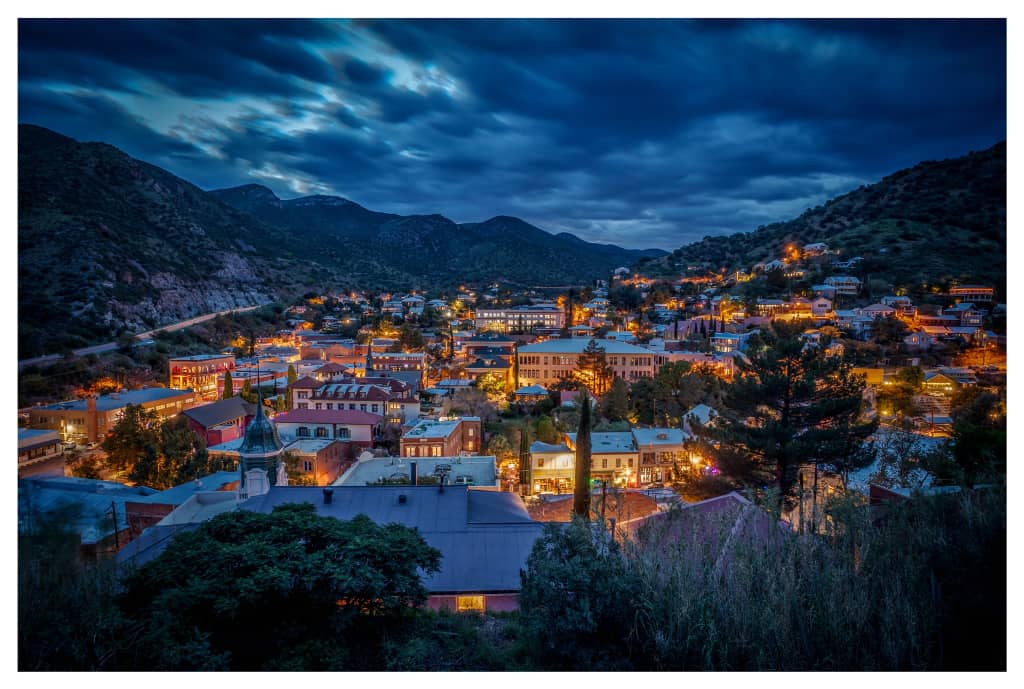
x=321, y=200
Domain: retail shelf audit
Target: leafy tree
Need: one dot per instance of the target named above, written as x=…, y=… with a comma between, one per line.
x=592, y=369
x=128, y=442
x=229, y=386
x=493, y=384
x=577, y=598
x=411, y=338
x=285, y=590
x=581, y=490
x=615, y=406
x=789, y=406
x=546, y=432
x=473, y=402
x=500, y=447
x=776, y=279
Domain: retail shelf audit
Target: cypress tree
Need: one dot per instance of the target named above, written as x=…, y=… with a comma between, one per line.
x=581, y=491
x=292, y=374
x=229, y=385
x=525, y=477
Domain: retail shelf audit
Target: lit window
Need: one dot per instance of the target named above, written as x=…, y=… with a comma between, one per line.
x=469, y=603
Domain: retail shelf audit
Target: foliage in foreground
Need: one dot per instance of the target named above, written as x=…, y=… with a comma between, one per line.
x=924, y=589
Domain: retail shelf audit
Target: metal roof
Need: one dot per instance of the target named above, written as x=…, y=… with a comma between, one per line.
x=485, y=537
x=221, y=411
x=576, y=345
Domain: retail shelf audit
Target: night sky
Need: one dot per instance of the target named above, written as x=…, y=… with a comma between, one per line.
x=640, y=133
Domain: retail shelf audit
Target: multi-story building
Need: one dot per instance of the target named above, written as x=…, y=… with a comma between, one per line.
x=389, y=397
x=844, y=284
x=613, y=457
x=89, y=420
x=447, y=438
x=972, y=293
x=355, y=427
x=200, y=373
x=545, y=363
x=519, y=318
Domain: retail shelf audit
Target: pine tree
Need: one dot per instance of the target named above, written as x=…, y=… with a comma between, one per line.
x=616, y=403
x=703, y=330
x=790, y=406
x=592, y=368
x=293, y=375
x=247, y=393
x=229, y=386
x=581, y=491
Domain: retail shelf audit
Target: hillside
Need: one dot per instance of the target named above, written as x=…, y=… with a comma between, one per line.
x=433, y=250
x=933, y=223
x=109, y=244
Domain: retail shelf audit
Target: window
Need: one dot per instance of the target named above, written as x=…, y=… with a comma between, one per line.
x=330, y=405
x=307, y=466
x=540, y=462
x=362, y=407
x=469, y=603
x=342, y=433
x=374, y=408
x=302, y=432
x=618, y=462
x=604, y=463
x=303, y=405
x=319, y=406
x=435, y=451
x=321, y=432
x=470, y=432
x=630, y=463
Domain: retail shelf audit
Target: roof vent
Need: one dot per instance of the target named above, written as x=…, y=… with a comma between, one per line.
x=402, y=498
x=663, y=436
x=328, y=496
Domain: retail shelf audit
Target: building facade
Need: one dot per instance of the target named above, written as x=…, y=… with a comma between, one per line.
x=200, y=373
x=448, y=438
x=89, y=420
x=519, y=318
x=545, y=363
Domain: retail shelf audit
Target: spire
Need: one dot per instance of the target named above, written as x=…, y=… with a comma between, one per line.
x=369, y=358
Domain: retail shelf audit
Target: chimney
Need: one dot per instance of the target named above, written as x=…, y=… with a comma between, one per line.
x=328, y=496
x=413, y=474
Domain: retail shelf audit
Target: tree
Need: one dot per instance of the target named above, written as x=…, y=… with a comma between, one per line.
x=979, y=436
x=581, y=490
x=411, y=338
x=247, y=393
x=592, y=369
x=615, y=406
x=229, y=386
x=577, y=599
x=293, y=375
x=128, y=441
x=500, y=447
x=546, y=432
x=776, y=279
x=473, y=402
x=291, y=590
x=790, y=406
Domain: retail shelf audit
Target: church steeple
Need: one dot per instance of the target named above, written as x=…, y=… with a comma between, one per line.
x=259, y=454
x=369, y=359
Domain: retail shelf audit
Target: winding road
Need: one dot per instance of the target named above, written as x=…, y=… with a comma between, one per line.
x=111, y=346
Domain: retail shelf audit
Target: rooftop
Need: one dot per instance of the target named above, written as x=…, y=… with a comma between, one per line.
x=340, y=416
x=118, y=400
x=578, y=344
x=602, y=443
x=481, y=469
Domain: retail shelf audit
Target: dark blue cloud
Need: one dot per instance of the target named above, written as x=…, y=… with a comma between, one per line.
x=642, y=132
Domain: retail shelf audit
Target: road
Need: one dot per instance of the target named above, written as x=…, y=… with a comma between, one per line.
x=111, y=346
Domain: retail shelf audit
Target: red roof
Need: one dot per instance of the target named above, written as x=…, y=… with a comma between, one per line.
x=307, y=382
x=351, y=417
